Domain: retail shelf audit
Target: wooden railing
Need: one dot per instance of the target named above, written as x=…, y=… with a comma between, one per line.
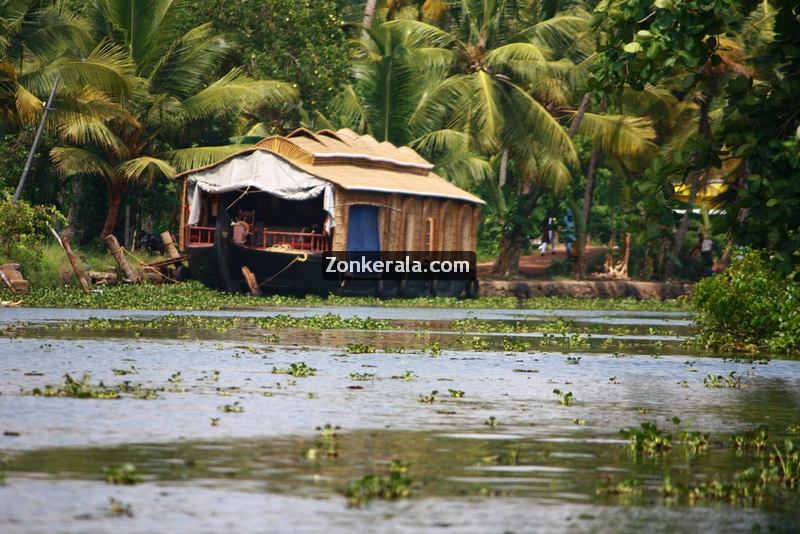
x=306, y=241
x=201, y=235
x=311, y=241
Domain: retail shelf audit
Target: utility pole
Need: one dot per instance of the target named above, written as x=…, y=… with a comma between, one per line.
x=47, y=108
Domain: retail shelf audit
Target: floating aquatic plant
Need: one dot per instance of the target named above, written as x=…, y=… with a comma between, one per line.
x=362, y=377
x=394, y=485
x=299, y=369
x=231, y=408
x=564, y=399
x=647, y=439
x=120, y=508
x=360, y=348
x=407, y=376
x=124, y=474
x=731, y=380
x=427, y=399
x=80, y=389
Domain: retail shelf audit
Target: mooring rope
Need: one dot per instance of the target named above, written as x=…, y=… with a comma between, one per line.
x=143, y=264
x=299, y=258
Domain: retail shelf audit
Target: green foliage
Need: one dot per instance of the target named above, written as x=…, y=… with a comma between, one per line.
x=427, y=399
x=564, y=398
x=749, y=306
x=23, y=229
x=396, y=485
x=648, y=439
x=642, y=41
x=295, y=369
x=193, y=295
x=760, y=125
x=124, y=474
x=84, y=389
x=298, y=41
x=80, y=389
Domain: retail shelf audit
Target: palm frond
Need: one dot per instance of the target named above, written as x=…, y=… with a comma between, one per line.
x=234, y=91
x=187, y=62
x=192, y=158
x=440, y=141
x=485, y=110
x=85, y=130
x=145, y=169
x=559, y=32
x=28, y=106
x=107, y=68
x=141, y=24
x=454, y=157
x=623, y=137
x=532, y=127
x=419, y=33
x=55, y=29
x=69, y=161
x=349, y=110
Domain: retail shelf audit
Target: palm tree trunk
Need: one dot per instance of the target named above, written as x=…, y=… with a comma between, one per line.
x=579, y=269
x=578, y=118
x=586, y=209
x=114, y=200
x=511, y=242
x=503, y=175
x=369, y=13
x=75, y=201
x=508, y=260
x=704, y=129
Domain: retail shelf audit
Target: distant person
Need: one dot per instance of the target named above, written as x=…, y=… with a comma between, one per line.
x=548, y=235
x=706, y=248
x=569, y=231
x=707, y=254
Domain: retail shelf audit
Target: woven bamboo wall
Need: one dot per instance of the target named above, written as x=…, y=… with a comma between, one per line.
x=403, y=219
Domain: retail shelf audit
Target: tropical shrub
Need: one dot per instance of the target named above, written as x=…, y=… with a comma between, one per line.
x=749, y=306
x=23, y=228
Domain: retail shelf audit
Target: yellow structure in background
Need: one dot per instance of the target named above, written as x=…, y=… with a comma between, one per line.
x=705, y=196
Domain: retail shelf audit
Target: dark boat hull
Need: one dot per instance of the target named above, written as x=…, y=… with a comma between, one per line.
x=220, y=266
x=275, y=272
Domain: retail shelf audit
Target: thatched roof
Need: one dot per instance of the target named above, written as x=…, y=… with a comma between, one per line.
x=356, y=162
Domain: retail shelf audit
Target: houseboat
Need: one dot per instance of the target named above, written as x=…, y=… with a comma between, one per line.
x=273, y=211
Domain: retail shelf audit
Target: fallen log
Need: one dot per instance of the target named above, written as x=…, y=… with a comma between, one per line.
x=119, y=256
x=12, y=278
x=76, y=266
x=102, y=278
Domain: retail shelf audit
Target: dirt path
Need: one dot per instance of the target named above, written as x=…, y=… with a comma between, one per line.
x=536, y=266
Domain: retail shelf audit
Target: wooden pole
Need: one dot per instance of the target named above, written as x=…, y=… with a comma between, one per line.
x=119, y=255
x=76, y=266
x=250, y=278
x=48, y=107
x=169, y=245
x=183, y=216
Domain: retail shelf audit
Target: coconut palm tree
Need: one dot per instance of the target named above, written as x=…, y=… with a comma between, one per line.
x=392, y=72
x=176, y=85
x=503, y=86
x=41, y=42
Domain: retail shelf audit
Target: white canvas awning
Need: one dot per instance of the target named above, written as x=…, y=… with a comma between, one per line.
x=259, y=170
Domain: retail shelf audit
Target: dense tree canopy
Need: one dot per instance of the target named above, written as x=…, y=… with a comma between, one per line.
x=620, y=111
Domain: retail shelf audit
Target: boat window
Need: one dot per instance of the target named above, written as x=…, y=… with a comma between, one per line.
x=429, y=243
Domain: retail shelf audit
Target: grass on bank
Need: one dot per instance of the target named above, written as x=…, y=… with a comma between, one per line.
x=53, y=269
x=195, y=296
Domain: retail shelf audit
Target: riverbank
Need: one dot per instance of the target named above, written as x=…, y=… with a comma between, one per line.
x=195, y=296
